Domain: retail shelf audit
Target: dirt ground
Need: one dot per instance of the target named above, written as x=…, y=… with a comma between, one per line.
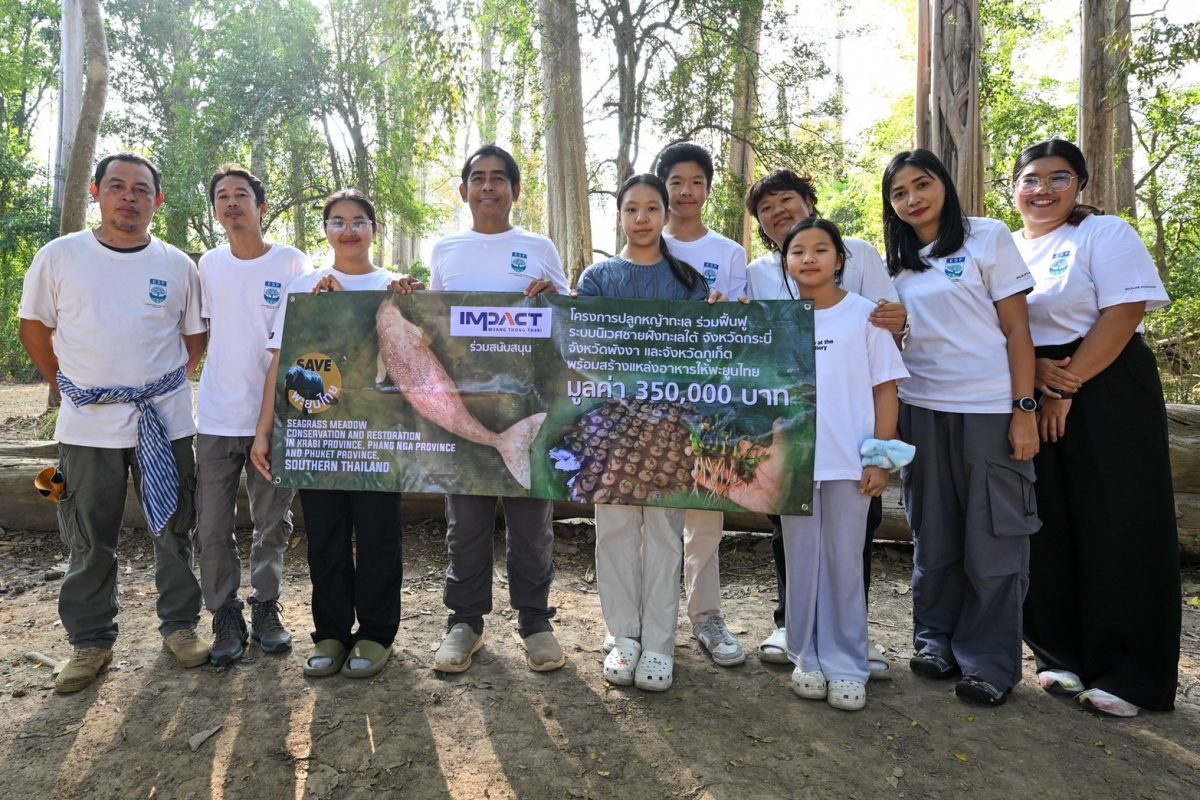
x=502, y=731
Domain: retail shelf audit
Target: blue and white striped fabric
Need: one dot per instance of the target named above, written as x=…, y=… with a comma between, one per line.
x=160, y=477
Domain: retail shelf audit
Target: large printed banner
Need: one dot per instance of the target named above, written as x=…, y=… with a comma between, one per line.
x=594, y=400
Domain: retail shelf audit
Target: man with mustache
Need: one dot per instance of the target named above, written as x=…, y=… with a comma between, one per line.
x=112, y=315
x=242, y=285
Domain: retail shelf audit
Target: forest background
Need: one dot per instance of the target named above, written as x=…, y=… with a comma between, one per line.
x=390, y=96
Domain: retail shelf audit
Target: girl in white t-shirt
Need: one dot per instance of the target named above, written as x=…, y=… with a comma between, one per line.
x=857, y=367
x=1102, y=615
x=968, y=408
x=355, y=553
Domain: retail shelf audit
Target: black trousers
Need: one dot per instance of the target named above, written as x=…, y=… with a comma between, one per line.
x=874, y=518
x=355, y=560
x=1104, y=594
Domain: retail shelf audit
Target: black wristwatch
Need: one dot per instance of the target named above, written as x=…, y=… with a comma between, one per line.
x=1025, y=404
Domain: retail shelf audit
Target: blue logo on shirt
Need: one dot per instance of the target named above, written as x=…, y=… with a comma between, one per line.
x=1060, y=262
x=271, y=293
x=519, y=261
x=158, y=291
x=955, y=266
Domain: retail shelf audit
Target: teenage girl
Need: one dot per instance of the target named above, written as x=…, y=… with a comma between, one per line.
x=857, y=367
x=639, y=550
x=969, y=491
x=354, y=545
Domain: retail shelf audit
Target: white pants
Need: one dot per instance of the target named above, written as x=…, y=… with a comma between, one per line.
x=638, y=555
x=826, y=610
x=701, y=567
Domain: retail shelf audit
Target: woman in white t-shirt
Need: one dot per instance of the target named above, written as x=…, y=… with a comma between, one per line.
x=1102, y=615
x=968, y=408
x=355, y=552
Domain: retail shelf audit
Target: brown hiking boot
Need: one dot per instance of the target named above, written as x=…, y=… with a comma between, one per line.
x=188, y=648
x=82, y=669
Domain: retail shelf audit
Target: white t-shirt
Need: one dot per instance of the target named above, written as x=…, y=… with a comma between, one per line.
x=374, y=281
x=853, y=356
x=494, y=262
x=1081, y=269
x=721, y=261
x=864, y=274
x=239, y=298
x=956, y=353
x=117, y=320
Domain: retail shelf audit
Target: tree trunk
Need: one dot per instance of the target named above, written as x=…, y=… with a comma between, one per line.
x=568, y=211
x=1105, y=126
x=740, y=167
x=487, y=113
x=79, y=168
x=949, y=41
x=70, y=97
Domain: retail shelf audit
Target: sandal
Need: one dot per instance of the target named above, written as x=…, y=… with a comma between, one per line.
x=655, y=672
x=978, y=691
x=373, y=653
x=1060, y=681
x=330, y=650
x=1107, y=703
x=847, y=695
x=773, y=650
x=932, y=666
x=621, y=661
x=809, y=685
x=877, y=661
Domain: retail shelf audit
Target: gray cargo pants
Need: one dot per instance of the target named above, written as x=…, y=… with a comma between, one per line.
x=220, y=461
x=89, y=521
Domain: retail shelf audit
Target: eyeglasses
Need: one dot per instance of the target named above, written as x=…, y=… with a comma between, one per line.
x=1057, y=182
x=339, y=225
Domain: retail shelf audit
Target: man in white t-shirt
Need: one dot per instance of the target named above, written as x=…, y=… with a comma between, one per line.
x=112, y=315
x=242, y=286
x=777, y=202
x=494, y=256
x=687, y=169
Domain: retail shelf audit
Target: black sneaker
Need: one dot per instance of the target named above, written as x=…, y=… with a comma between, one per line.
x=267, y=629
x=229, y=636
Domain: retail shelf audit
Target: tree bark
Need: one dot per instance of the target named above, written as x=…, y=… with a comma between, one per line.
x=740, y=163
x=95, y=91
x=568, y=212
x=70, y=97
x=1105, y=125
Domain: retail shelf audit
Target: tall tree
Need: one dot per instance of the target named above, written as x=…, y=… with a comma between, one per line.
x=95, y=91
x=740, y=161
x=1105, y=124
x=567, y=211
x=947, y=112
x=70, y=92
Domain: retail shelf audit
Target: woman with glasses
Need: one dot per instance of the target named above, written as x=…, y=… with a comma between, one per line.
x=1102, y=615
x=354, y=545
x=968, y=409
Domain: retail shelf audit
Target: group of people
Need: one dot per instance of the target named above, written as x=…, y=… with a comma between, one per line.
x=1003, y=373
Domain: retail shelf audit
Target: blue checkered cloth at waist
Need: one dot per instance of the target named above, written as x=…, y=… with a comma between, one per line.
x=160, y=476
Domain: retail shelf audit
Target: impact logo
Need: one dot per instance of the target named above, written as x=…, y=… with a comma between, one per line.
x=515, y=323
x=519, y=262
x=271, y=293
x=955, y=266
x=313, y=384
x=710, y=272
x=1059, y=262
x=158, y=291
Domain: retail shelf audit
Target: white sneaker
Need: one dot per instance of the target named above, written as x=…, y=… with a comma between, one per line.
x=715, y=637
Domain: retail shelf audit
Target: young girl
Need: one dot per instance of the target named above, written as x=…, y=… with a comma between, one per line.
x=354, y=546
x=858, y=365
x=639, y=550
x=969, y=491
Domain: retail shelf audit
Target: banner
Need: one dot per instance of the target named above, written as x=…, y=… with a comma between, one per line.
x=595, y=400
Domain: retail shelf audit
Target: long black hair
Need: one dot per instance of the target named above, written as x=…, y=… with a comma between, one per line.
x=1073, y=156
x=835, y=236
x=900, y=240
x=684, y=272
